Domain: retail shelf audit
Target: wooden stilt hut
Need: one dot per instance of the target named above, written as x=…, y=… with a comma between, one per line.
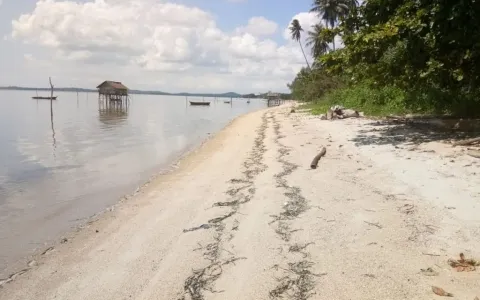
x=113, y=92
x=273, y=99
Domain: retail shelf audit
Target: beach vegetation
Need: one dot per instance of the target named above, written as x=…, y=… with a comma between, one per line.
x=402, y=56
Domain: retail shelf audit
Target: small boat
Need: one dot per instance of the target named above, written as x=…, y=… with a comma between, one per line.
x=195, y=103
x=227, y=102
x=44, y=98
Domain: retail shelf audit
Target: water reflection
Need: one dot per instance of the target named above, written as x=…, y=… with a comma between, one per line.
x=112, y=113
x=101, y=152
x=54, y=143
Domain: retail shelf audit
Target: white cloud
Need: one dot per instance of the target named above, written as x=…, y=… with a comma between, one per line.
x=147, y=39
x=259, y=26
x=306, y=19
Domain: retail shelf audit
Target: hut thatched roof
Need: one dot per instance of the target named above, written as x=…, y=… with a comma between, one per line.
x=270, y=94
x=112, y=84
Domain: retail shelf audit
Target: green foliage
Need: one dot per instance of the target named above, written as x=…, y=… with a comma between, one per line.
x=404, y=55
x=331, y=10
x=362, y=97
x=295, y=30
x=312, y=84
x=318, y=40
x=415, y=43
x=378, y=100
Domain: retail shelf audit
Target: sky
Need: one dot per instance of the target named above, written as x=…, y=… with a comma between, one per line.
x=166, y=45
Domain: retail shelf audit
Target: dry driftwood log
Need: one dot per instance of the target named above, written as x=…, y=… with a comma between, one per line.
x=474, y=153
x=315, y=160
x=329, y=114
x=339, y=112
x=467, y=142
x=350, y=113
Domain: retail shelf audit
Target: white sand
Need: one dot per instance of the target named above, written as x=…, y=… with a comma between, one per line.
x=361, y=226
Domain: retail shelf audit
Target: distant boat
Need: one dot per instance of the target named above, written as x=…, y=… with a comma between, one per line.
x=44, y=98
x=195, y=103
x=227, y=102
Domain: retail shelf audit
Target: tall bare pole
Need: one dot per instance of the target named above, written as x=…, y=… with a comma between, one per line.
x=51, y=111
x=51, y=88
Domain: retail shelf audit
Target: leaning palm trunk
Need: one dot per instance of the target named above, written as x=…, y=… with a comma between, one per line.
x=306, y=60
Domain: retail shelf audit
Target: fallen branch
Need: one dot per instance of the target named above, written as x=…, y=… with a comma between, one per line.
x=467, y=142
x=430, y=254
x=474, y=153
x=316, y=159
x=374, y=224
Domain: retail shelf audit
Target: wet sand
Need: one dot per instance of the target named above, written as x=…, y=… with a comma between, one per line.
x=244, y=217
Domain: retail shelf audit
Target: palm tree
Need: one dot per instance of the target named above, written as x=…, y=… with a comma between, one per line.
x=296, y=33
x=352, y=4
x=318, y=45
x=331, y=10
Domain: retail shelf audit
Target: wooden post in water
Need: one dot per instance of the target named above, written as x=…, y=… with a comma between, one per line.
x=51, y=89
x=186, y=101
x=51, y=112
x=231, y=101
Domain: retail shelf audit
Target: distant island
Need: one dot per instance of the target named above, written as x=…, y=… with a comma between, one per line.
x=139, y=92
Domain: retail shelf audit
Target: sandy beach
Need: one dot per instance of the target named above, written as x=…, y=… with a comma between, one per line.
x=244, y=217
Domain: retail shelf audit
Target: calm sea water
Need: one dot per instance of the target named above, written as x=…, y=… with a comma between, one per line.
x=54, y=175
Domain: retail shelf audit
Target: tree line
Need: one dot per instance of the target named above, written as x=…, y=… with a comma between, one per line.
x=408, y=55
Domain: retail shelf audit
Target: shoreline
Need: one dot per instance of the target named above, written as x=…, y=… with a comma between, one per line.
x=244, y=217
x=23, y=265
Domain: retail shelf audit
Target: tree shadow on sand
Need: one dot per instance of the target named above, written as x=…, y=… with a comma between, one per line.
x=397, y=133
